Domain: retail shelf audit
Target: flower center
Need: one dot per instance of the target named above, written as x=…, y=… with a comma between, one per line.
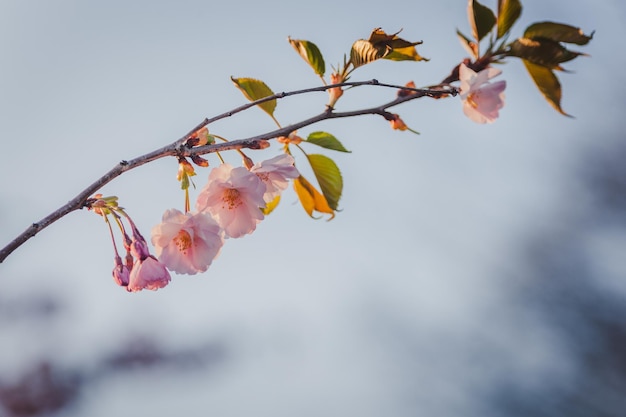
x=472, y=99
x=263, y=176
x=231, y=198
x=183, y=241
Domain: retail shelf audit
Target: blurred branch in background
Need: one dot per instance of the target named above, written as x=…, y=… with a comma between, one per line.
x=49, y=387
x=577, y=287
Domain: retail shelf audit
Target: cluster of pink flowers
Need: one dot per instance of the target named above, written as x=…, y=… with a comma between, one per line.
x=140, y=270
x=230, y=205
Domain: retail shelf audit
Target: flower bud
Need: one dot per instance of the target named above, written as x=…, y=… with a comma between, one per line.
x=397, y=123
x=198, y=138
x=335, y=92
x=121, y=273
x=405, y=93
x=200, y=161
x=247, y=162
x=292, y=138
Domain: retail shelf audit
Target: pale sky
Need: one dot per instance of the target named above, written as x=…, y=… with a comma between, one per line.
x=318, y=315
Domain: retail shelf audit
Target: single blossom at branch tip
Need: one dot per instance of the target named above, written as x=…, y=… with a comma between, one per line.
x=482, y=100
x=234, y=197
x=275, y=174
x=187, y=243
x=148, y=274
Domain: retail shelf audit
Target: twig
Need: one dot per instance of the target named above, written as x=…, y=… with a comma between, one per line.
x=178, y=147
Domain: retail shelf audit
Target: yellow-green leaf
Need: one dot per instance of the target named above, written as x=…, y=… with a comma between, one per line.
x=329, y=178
x=408, y=53
x=508, y=13
x=481, y=19
x=269, y=207
x=311, y=55
x=184, y=182
x=326, y=140
x=254, y=90
x=547, y=83
x=311, y=199
x=557, y=32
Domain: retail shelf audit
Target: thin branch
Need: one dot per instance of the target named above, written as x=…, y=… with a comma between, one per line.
x=178, y=147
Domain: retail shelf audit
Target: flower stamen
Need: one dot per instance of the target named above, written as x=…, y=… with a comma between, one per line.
x=231, y=198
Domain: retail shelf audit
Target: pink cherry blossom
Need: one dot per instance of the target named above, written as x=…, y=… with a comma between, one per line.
x=187, y=243
x=481, y=99
x=234, y=197
x=148, y=274
x=275, y=174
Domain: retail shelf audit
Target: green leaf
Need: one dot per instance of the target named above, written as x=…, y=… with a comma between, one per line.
x=557, y=32
x=254, y=90
x=311, y=54
x=470, y=46
x=547, y=83
x=326, y=140
x=481, y=19
x=508, y=13
x=184, y=182
x=311, y=199
x=541, y=51
x=329, y=178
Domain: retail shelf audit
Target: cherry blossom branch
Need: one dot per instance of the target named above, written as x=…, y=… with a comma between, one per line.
x=179, y=148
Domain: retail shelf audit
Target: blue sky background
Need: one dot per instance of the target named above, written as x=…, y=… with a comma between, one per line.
x=403, y=304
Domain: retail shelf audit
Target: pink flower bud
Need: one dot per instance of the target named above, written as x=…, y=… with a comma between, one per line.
x=139, y=249
x=121, y=274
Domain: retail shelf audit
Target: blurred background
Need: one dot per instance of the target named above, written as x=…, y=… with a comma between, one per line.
x=473, y=270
